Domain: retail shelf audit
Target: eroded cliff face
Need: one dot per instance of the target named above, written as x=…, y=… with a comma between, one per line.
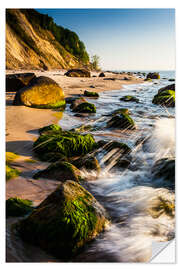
x=29, y=47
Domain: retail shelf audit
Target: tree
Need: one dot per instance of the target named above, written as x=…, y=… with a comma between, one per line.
x=95, y=62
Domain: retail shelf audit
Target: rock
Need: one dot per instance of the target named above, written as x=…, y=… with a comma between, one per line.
x=77, y=102
x=53, y=157
x=121, y=121
x=90, y=94
x=154, y=75
x=101, y=74
x=129, y=98
x=110, y=145
x=126, y=79
x=88, y=162
x=16, y=207
x=171, y=80
x=66, y=220
x=148, y=79
x=164, y=168
x=92, y=86
x=49, y=129
x=61, y=171
x=85, y=107
x=66, y=143
x=15, y=82
x=42, y=92
x=165, y=98
x=70, y=100
x=82, y=128
x=78, y=73
x=109, y=79
x=168, y=87
x=118, y=111
x=122, y=163
x=11, y=172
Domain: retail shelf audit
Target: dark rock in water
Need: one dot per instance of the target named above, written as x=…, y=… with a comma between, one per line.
x=90, y=94
x=101, y=74
x=88, y=162
x=85, y=107
x=76, y=102
x=16, y=207
x=41, y=92
x=66, y=143
x=61, y=171
x=15, y=82
x=121, y=121
x=164, y=168
x=153, y=75
x=78, y=73
x=129, y=98
x=53, y=157
x=165, y=98
x=110, y=145
x=118, y=111
x=168, y=87
x=66, y=220
x=82, y=128
x=50, y=128
x=70, y=100
x=171, y=80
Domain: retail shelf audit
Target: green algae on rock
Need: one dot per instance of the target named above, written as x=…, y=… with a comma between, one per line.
x=129, y=98
x=153, y=75
x=165, y=98
x=10, y=156
x=64, y=222
x=121, y=121
x=85, y=107
x=11, y=172
x=66, y=143
x=90, y=94
x=60, y=170
x=49, y=128
x=16, y=207
x=42, y=92
x=167, y=87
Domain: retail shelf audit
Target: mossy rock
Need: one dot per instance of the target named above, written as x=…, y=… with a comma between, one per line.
x=77, y=102
x=78, y=73
x=168, y=87
x=82, y=128
x=11, y=172
x=66, y=143
x=42, y=93
x=53, y=157
x=118, y=111
x=129, y=98
x=10, y=157
x=108, y=146
x=64, y=222
x=165, y=98
x=15, y=82
x=91, y=94
x=164, y=168
x=153, y=75
x=16, y=207
x=61, y=171
x=50, y=128
x=121, y=121
x=85, y=107
x=88, y=162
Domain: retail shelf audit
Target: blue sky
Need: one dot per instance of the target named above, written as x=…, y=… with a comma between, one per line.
x=128, y=39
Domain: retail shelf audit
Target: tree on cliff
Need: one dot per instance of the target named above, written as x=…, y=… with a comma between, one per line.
x=95, y=62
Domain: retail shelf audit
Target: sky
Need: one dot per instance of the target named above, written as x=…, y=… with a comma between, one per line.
x=124, y=39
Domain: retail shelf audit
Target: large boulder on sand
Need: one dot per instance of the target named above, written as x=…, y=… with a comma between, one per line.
x=78, y=73
x=14, y=82
x=66, y=220
x=42, y=92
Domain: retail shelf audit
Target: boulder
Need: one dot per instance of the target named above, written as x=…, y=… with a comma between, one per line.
x=16, y=207
x=88, y=162
x=90, y=94
x=49, y=129
x=76, y=102
x=165, y=98
x=65, y=143
x=15, y=82
x=78, y=73
x=61, y=171
x=153, y=75
x=110, y=145
x=64, y=222
x=102, y=74
x=42, y=92
x=164, y=168
x=85, y=107
x=121, y=121
x=168, y=87
x=129, y=99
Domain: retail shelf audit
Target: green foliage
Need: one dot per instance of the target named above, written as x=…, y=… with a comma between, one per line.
x=85, y=107
x=11, y=172
x=95, y=62
x=52, y=127
x=18, y=207
x=90, y=94
x=66, y=143
x=68, y=39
